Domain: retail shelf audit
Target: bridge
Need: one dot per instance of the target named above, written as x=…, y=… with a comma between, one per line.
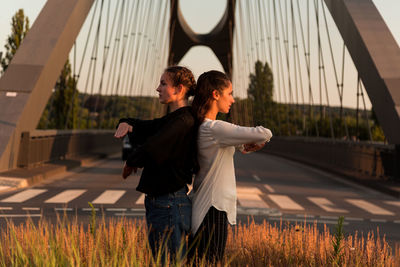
x=316, y=52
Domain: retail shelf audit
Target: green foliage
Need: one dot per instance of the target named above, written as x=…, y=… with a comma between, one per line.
x=92, y=219
x=96, y=111
x=62, y=109
x=19, y=29
x=337, y=243
x=115, y=107
x=260, y=91
x=300, y=120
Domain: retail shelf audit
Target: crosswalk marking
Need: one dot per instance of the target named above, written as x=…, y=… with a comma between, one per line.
x=325, y=204
x=248, y=190
x=394, y=203
x=66, y=196
x=4, y=187
x=249, y=197
x=251, y=201
x=24, y=195
x=269, y=188
x=109, y=197
x=369, y=207
x=140, y=200
x=285, y=202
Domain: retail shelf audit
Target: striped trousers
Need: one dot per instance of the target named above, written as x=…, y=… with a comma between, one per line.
x=210, y=239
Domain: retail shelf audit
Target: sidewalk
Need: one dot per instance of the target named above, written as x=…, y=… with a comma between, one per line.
x=24, y=177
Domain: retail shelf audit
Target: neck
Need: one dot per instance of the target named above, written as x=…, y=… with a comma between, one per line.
x=177, y=104
x=211, y=114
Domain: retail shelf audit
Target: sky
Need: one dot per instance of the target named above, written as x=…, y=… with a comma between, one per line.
x=199, y=16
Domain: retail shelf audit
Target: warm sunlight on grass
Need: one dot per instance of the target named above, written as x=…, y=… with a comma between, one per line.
x=123, y=242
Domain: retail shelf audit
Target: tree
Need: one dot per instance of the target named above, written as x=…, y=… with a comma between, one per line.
x=62, y=109
x=19, y=29
x=260, y=92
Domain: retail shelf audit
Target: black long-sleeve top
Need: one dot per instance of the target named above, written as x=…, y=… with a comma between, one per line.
x=166, y=148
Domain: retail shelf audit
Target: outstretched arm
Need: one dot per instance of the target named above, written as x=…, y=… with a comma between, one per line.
x=228, y=134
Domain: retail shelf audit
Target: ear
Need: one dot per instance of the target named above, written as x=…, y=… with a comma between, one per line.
x=179, y=89
x=216, y=94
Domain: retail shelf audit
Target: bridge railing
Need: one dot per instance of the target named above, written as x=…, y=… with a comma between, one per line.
x=361, y=160
x=40, y=146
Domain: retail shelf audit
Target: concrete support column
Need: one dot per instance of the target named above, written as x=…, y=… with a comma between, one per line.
x=28, y=82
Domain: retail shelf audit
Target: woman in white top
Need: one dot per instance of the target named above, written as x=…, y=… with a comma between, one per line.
x=214, y=188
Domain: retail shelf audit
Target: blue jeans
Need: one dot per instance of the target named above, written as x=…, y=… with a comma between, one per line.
x=169, y=219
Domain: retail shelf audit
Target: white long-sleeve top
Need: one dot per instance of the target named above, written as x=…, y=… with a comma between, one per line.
x=215, y=184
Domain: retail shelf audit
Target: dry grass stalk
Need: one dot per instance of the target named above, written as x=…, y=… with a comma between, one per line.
x=123, y=242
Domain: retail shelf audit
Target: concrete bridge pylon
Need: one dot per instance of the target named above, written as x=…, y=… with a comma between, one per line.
x=28, y=82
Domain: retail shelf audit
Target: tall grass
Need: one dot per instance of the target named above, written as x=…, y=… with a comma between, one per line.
x=123, y=242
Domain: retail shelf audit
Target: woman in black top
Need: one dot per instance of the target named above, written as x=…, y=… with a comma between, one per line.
x=166, y=149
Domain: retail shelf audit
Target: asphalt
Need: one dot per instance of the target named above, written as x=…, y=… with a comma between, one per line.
x=25, y=177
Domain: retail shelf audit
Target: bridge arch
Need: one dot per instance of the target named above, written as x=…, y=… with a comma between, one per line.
x=27, y=84
x=219, y=39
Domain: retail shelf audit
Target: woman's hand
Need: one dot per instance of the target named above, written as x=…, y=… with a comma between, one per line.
x=252, y=147
x=128, y=171
x=123, y=129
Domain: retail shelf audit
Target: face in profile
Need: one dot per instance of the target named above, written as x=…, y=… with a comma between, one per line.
x=166, y=91
x=225, y=99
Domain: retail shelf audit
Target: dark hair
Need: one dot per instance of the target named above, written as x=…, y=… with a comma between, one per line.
x=182, y=75
x=206, y=84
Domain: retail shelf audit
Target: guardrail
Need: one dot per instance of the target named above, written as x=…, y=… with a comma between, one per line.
x=40, y=146
x=362, y=160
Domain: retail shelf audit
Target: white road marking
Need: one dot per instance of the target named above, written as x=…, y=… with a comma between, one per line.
x=109, y=197
x=138, y=210
x=285, y=202
x=251, y=201
x=4, y=187
x=305, y=216
x=63, y=209
x=249, y=197
x=329, y=217
x=397, y=221
x=353, y=219
x=369, y=207
x=66, y=196
x=89, y=209
x=325, y=204
x=116, y=209
x=140, y=200
x=378, y=220
x=20, y=215
x=30, y=208
x=394, y=203
x=256, y=178
x=269, y=188
x=6, y=208
x=129, y=214
x=24, y=195
x=298, y=220
x=248, y=190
